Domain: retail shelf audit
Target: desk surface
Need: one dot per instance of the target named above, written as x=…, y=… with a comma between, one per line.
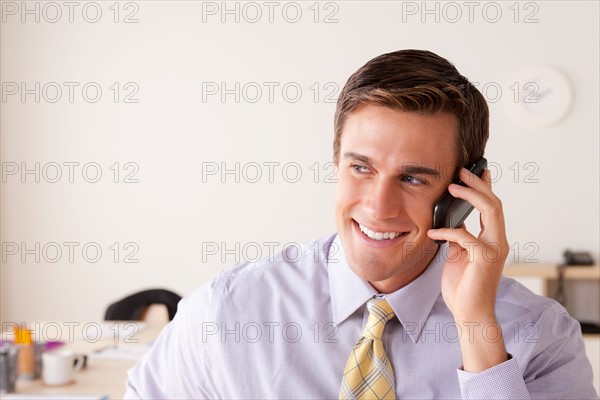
x=107, y=377
x=101, y=376
x=547, y=271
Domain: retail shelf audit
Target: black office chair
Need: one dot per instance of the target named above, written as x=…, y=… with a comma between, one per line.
x=133, y=307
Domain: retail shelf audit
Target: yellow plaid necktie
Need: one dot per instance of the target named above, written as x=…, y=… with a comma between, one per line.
x=369, y=373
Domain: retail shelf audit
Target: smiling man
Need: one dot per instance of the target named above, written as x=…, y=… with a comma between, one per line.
x=389, y=181
x=379, y=310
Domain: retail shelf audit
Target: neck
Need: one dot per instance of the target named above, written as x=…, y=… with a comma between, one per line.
x=406, y=273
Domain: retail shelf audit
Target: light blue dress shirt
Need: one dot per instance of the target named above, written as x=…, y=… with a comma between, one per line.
x=283, y=328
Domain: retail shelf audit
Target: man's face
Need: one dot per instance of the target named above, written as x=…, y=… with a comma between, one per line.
x=393, y=167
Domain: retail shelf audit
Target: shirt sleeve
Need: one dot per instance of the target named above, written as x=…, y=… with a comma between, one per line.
x=177, y=366
x=503, y=381
x=555, y=365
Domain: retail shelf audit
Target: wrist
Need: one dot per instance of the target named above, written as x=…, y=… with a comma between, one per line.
x=482, y=344
x=476, y=319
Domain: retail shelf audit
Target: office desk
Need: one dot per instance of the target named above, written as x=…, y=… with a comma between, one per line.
x=101, y=376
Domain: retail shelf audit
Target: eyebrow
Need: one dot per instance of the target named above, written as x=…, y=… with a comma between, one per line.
x=407, y=168
x=414, y=169
x=358, y=157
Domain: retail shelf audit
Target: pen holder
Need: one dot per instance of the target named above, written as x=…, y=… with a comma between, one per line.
x=8, y=367
x=30, y=360
x=39, y=348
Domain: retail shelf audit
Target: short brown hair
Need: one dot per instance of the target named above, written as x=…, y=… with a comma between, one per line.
x=418, y=81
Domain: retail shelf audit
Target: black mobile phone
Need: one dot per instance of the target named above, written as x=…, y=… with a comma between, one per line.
x=450, y=212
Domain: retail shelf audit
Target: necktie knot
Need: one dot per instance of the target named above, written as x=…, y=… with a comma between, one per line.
x=369, y=373
x=380, y=312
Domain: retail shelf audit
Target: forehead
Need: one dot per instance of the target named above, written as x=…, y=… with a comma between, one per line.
x=394, y=137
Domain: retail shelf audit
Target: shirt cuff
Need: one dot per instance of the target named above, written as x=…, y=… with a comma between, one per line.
x=502, y=381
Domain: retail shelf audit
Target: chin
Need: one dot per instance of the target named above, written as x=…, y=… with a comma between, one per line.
x=393, y=265
x=372, y=265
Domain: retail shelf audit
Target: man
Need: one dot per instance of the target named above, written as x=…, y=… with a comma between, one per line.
x=379, y=310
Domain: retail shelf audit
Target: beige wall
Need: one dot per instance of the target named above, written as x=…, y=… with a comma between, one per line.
x=171, y=218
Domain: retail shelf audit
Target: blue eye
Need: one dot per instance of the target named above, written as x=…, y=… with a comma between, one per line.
x=412, y=180
x=359, y=168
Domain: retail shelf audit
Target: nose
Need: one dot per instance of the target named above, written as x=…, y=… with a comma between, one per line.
x=383, y=200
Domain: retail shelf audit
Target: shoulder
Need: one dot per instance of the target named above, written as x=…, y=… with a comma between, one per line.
x=297, y=262
x=546, y=341
x=515, y=300
x=513, y=295
x=296, y=268
x=294, y=261
x=538, y=319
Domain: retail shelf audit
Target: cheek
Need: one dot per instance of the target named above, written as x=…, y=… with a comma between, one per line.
x=424, y=216
x=423, y=212
x=347, y=190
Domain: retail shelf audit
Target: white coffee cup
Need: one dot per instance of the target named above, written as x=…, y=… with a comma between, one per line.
x=59, y=366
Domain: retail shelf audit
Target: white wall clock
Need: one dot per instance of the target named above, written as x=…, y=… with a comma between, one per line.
x=541, y=97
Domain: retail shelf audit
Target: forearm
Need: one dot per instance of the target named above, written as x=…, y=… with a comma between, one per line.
x=488, y=371
x=482, y=344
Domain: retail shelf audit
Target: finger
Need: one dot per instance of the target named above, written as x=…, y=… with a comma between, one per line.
x=479, y=194
x=475, y=182
x=490, y=209
x=456, y=253
x=459, y=240
x=460, y=236
x=487, y=177
x=481, y=201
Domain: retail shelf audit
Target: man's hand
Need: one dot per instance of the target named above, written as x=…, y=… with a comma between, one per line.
x=472, y=272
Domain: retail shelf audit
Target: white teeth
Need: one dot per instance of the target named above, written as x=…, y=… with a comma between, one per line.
x=378, y=235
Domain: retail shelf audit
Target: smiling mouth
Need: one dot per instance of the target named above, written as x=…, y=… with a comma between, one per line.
x=379, y=236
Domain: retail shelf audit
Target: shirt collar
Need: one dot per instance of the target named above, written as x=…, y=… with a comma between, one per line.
x=348, y=292
x=412, y=303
